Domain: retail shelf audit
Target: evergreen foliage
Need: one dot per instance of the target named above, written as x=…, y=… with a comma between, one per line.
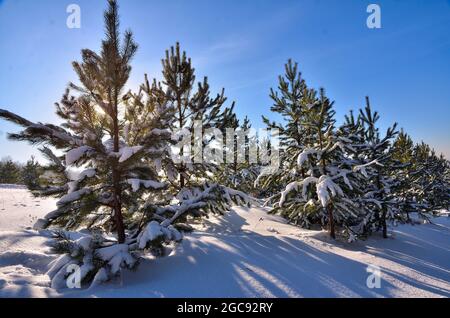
x=349, y=178
x=117, y=173
x=9, y=172
x=31, y=173
x=131, y=178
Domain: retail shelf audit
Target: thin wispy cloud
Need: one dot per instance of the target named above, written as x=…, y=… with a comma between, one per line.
x=256, y=33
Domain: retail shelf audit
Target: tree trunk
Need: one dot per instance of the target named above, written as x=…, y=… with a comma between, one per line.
x=384, y=224
x=235, y=156
x=383, y=212
x=118, y=208
x=331, y=221
x=181, y=179
x=180, y=120
x=116, y=184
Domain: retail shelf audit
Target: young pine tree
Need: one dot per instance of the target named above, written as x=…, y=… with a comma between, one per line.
x=319, y=176
x=377, y=167
x=104, y=136
x=196, y=112
x=241, y=167
x=9, y=172
x=439, y=189
x=193, y=105
x=292, y=99
x=31, y=173
x=429, y=185
x=403, y=155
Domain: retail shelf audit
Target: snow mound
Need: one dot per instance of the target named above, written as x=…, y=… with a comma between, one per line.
x=24, y=259
x=34, y=260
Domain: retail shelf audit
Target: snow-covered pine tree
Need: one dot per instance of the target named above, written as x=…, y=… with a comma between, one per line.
x=190, y=178
x=328, y=188
x=239, y=171
x=403, y=154
x=377, y=167
x=445, y=189
x=321, y=177
x=422, y=177
x=291, y=101
x=30, y=173
x=226, y=171
x=429, y=186
x=248, y=169
x=438, y=191
x=112, y=138
x=9, y=171
x=192, y=106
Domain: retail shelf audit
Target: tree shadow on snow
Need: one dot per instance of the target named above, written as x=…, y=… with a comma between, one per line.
x=226, y=261
x=234, y=263
x=420, y=248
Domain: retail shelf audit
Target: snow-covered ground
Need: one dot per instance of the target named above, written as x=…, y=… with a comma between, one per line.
x=246, y=253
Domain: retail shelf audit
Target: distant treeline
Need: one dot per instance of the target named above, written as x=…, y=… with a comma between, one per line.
x=13, y=172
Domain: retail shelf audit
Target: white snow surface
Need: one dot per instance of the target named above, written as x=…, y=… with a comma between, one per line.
x=246, y=253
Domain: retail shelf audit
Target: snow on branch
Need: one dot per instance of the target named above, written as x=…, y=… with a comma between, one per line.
x=266, y=171
x=154, y=231
x=116, y=255
x=159, y=132
x=161, y=228
x=75, y=154
x=325, y=189
x=343, y=144
x=293, y=186
x=126, y=152
x=148, y=184
x=362, y=168
x=344, y=175
x=229, y=193
x=73, y=196
x=88, y=173
x=304, y=155
x=199, y=200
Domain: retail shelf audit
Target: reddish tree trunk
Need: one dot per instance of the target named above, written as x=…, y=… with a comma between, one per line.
x=116, y=186
x=331, y=221
x=180, y=120
x=383, y=222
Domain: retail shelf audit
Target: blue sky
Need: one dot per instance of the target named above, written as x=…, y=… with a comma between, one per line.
x=242, y=45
